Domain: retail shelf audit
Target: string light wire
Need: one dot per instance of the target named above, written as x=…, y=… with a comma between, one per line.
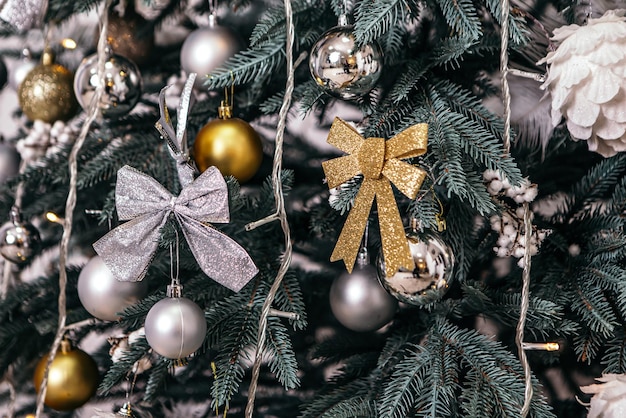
x=280, y=213
x=525, y=296
x=70, y=204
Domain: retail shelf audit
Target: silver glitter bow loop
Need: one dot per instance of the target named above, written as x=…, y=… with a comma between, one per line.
x=128, y=249
x=23, y=14
x=177, y=141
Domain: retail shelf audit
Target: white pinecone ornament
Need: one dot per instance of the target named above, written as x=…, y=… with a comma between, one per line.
x=587, y=81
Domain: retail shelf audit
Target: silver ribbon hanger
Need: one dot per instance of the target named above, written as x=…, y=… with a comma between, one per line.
x=177, y=140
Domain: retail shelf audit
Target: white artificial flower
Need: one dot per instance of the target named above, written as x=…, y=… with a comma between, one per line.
x=609, y=396
x=587, y=81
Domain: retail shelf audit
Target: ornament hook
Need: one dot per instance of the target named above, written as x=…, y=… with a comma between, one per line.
x=363, y=257
x=441, y=221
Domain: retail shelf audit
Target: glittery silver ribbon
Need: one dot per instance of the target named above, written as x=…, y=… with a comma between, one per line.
x=23, y=14
x=128, y=249
x=177, y=142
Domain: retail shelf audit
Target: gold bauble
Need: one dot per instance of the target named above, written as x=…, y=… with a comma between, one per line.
x=231, y=145
x=47, y=92
x=124, y=34
x=72, y=378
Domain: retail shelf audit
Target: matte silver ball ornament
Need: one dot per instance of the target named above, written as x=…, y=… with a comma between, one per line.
x=122, y=84
x=175, y=327
x=103, y=295
x=19, y=241
x=359, y=302
x=430, y=278
x=208, y=48
x=342, y=68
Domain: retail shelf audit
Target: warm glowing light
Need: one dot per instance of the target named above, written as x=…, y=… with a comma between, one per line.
x=549, y=346
x=52, y=217
x=68, y=43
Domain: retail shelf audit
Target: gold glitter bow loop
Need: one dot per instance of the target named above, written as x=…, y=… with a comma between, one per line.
x=379, y=162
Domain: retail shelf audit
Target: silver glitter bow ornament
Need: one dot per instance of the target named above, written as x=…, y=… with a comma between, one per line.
x=128, y=249
x=23, y=15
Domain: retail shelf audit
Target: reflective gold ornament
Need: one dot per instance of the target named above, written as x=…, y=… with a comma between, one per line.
x=230, y=144
x=72, y=378
x=126, y=37
x=47, y=92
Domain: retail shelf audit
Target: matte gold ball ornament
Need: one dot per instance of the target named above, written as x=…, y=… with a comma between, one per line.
x=72, y=378
x=47, y=92
x=230, y=144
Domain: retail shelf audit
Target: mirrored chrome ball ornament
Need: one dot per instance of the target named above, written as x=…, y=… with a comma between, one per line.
x=102, y=295
x=208, y=48
x=175, y=326
x=357, y=299
x=19, y=241
x=342, y=68
x=430, y=278
x=122, y=84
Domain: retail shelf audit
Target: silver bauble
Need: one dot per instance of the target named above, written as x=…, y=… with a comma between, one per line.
x=342, y=68
x=208, y=48
x=175, y=327
x=20, y=69
x=9, y=162
x=102, y=295
x=19, y=241
x=122, y=84
x=430, y=278
x=359, y=302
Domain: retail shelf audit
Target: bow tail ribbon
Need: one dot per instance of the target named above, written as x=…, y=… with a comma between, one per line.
x=219, y=256
x=128, y=249
x=395, y=249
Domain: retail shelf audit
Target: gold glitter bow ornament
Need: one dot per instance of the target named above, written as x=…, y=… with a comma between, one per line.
x=379, y=162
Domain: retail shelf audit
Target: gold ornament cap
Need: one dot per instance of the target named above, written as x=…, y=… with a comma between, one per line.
x=224, y=111
x=48, y=57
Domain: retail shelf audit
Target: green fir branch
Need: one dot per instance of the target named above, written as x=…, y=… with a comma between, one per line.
x=272, y=25
x=122, y=368
x=373, y=19
x=282, y=361
x=410, y=376
x=462, y=18
x=248, y=65
x=335, y=395
x=353, y=407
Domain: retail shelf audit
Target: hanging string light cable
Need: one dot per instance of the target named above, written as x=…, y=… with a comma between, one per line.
x=280, y=213
x=70, y=204
x=525, y=296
